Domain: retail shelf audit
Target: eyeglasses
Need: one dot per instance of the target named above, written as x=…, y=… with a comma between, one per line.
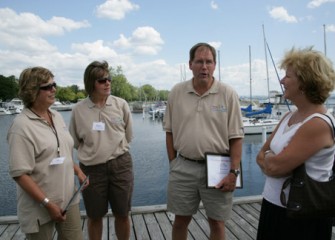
x=206, y=62
x=103, y=80
x=282, y=193
x=48, y=87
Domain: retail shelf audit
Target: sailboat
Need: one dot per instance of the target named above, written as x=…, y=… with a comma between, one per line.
x=252, y=122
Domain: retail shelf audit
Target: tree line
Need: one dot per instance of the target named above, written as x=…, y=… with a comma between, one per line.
x=120, y=87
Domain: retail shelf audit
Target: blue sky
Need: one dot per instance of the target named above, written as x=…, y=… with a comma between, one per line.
x=151, y=39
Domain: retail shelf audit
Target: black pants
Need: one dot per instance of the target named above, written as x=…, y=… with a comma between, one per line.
x=275, y=225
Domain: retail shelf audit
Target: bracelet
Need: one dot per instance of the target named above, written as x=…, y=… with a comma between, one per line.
x=267, y=151
x=45, y=202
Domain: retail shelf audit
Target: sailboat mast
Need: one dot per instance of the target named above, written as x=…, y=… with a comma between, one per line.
x=324, y=39
x=250, y=75
x=266, y=64
x=219, y=66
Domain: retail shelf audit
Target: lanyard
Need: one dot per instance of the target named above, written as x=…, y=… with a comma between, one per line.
x=53, y=128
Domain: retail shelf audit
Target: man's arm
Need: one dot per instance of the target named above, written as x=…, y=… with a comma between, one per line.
x=172, y=153
x=235, y=150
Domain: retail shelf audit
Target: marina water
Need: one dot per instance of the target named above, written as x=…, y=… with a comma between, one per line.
x=150, y=160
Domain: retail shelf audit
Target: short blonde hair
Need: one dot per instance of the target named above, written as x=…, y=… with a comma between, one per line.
x=314, y=71
x=30, y=81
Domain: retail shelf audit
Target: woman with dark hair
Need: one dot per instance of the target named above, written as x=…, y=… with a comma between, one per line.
x=101, y=126
x=41, y=163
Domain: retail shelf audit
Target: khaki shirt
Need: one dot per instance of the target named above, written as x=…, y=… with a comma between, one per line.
x=112, y=140
x=204, y=123
x=32, y=147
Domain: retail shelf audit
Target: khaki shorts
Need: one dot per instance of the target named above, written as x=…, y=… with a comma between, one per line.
x=70, y=229
x=187, y=187
x=112, y=183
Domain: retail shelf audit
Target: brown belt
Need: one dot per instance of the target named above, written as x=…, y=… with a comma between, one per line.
x=202, y=161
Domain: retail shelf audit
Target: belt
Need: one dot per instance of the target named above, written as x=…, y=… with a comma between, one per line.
x=201, y=161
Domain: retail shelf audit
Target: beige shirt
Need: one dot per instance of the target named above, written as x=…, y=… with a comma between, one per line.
x=32, y=148
x=201, y=124
x=101, y=134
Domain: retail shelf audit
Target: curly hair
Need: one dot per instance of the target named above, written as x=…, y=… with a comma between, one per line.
x=30, y=81
x=314, y=71
x=94, y=71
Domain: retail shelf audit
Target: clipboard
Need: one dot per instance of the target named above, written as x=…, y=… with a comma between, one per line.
x=217, y=167
x=75, y=195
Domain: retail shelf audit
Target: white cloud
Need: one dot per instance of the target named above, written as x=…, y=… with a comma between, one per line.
x=25, y=32
x=330, y=28
x=216, y=45
x=318, y=3
x=144, y=40
x=94, y=50
x=214, y=5
x=115, y=9
x=281, y=14
x=28, y=24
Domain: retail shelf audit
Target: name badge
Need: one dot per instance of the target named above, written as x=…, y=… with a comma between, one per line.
x=98, y=126
x=57, y=161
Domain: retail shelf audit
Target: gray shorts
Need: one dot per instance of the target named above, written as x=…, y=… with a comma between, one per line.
x=187, y=187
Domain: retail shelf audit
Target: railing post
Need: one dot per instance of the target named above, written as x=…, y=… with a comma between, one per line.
x=263, y=135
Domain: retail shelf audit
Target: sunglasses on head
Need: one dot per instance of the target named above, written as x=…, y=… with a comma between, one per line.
x=103, y=80
x=48, y=87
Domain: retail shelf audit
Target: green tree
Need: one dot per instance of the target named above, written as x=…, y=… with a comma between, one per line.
x=65, y=94
x=150, y=92
x=8, y=87
x=120, y=86
x=80, y=95
x=163, y=95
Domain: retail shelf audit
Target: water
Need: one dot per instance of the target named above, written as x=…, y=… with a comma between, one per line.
x=150, y=165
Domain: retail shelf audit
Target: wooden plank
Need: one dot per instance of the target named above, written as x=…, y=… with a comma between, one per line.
x=3, y=228
x=237, y=231
x=85, y=231
x=201, y=219
x=10, y=232
x=141, y=232
x=247, y=207
x=105, y=224
x=257, y=206
x=244, y=225
x=111, y=227
x=165, y=224
x=19, y=235
x=247, y=216
x=195, y=231
x=153, y=226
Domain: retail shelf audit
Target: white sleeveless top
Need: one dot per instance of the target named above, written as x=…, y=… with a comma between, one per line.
x=318, y=167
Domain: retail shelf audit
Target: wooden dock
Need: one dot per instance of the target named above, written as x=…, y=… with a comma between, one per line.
x=155, y=223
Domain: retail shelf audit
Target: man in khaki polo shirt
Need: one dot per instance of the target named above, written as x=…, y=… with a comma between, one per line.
x=202, y=115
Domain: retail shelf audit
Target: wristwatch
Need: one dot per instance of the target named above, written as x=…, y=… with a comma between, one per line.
x=236, y=172
x=45, y=202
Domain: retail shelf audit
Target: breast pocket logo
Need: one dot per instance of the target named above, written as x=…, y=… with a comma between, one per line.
x=116, y=120
x=219, y=108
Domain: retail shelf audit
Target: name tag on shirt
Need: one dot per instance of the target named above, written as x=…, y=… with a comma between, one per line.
x=98, y=126
x=57, y=161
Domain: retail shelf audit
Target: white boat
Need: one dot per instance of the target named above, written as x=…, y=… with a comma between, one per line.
x=254, y=126
x=157, y=110
x=4, y=111
x=58, y=106
x=15, y=106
